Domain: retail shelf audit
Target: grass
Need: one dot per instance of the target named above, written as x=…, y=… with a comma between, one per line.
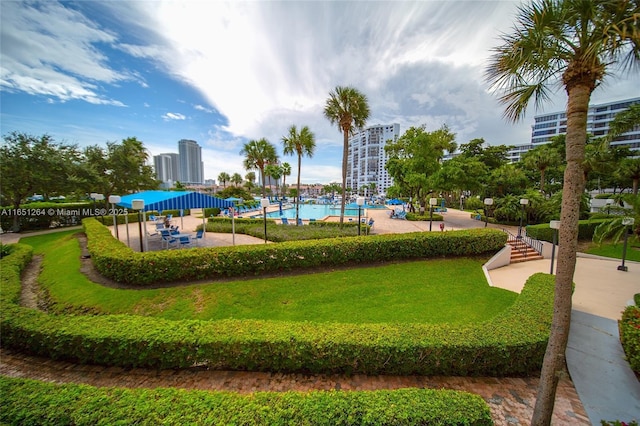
x=432, y=291
x=608, y=249
x=280, y=233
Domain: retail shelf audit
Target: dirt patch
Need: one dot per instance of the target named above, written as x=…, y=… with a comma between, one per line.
x=30, y=288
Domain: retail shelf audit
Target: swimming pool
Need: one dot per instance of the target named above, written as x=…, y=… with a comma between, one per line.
x=316, y=211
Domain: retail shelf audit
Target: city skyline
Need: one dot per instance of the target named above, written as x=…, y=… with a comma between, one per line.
x=223, y=73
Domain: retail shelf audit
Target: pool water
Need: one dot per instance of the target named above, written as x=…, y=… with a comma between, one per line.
x=316, y=211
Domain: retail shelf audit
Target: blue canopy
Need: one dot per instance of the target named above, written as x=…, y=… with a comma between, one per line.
x=174, y=200
x=395, y=202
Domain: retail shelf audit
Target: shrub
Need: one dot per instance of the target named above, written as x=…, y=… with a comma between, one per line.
x=32, y=402
x=586, y=229
x=629, y=327
x=512, y=343
x=115, y=260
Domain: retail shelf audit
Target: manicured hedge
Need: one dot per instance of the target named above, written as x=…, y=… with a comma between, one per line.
x=585, y=230
x=31, y=402
x=629, y=327
x=512, y=343
x=115, y=260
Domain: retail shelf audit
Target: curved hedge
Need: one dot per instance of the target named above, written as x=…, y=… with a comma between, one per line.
x=512, y=343
x=629, y=326
x=115, y=260
x=31, y=402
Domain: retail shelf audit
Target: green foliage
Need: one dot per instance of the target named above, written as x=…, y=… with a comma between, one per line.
x=618, y=423
x=586, y=229
x=32, y=402
x=5, y=250
x=473, y=203
x=630, y=336
x=513, y=342
x=116, y=261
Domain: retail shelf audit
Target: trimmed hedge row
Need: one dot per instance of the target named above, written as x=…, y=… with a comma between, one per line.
x=115, y=260
x=512, y=343
x=586, y=228
x=32, y=402
x=629, y=327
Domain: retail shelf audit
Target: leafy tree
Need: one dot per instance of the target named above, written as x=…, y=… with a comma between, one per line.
x=236, y=179
x=574, y=42
x=34, y=164
x=507, y=179
x=274, y=171
x=249, y=180
x=630, y=169
x=349, y=109
x=223, y=178
x=461, y=174
x=493, y=156
x=414, y=158
x=257, y=155
x=301, y=143
x=540, y=159
x=179, y=186
x=120, y=169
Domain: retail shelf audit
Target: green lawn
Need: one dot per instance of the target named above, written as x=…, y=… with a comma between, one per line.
x=615, y=251
x=433, y=291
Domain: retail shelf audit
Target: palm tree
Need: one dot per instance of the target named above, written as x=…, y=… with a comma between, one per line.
x=540, y=159
x=257, y=155
x=286, y=171
x=236, y=179
x=624, y=122
x=303, y=143
x=224, y=178
x=349, y=109
x=274, y=172
x=630, y=169
x=571, y=42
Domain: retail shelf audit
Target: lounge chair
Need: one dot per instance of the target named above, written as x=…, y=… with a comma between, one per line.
x=185, y=240
x=300, y=223
x=285, y=221
x=199, y=236
x=167, y=238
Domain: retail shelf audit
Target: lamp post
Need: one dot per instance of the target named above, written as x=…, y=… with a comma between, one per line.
x=360, y=203
x=139, y=205
x=461, y=202
x=432, y=202
x=523, y=202
x=264, y=202
x=627, y=222
x=115, y=199
x=487, y=203
x=555, y=225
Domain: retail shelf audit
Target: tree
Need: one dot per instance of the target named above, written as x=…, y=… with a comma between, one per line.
x=224, y=177
x=250, y=179
x=286, y=171
x=120, y=169
x=257, y=155
x=349, y=109
x=574, y=42
x=274, y=172
x=236, y=179
x=301, y=143
x=630, y=169
x=541, y=158
x=34, y=164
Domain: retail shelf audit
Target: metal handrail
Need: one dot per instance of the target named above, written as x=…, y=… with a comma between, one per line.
x=524, y=241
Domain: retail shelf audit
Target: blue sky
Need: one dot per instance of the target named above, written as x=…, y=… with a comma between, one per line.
x=222, y=73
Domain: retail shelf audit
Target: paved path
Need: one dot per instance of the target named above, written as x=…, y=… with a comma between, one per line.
x=511, y=400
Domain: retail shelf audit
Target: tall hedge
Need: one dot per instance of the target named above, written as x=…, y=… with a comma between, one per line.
x=115, y=260
x=512, y=343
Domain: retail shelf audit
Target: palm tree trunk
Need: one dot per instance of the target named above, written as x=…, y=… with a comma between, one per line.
x=345, y=153
x=298, y=189
x=553, y=366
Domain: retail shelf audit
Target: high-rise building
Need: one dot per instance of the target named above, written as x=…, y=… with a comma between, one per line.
x=166, y=167
x=191, y=168
x=599, y=116
x=367, y=158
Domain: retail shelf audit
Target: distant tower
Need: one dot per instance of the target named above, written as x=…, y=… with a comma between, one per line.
x=190, y=170
x=166, y=167
x=367, y=158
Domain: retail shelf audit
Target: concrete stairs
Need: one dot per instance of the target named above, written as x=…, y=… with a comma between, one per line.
x=522, y=252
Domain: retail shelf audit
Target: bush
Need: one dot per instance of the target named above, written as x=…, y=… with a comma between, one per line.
x=32, y=402
x=116, y=261
x=511, y=343
x=586, y=228
x=629, y=327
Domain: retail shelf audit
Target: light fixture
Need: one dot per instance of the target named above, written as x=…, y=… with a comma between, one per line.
x=139, y=205
x=360, y=203
x=487, y=202
x=432, y=202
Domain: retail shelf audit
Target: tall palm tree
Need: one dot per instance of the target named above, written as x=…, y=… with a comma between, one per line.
x=224, y=178
x=572, y=43
x=302, y=143
x=274, y=172
x=540, y=159
x=286, y=171
x=349, y=109
x=236, y=179
x=259, y=153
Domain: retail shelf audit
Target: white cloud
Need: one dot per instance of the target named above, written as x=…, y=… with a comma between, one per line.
x=174, y=116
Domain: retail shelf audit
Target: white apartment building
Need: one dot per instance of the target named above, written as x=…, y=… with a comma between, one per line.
x=367, y=158
x=599, y=116
x=166, y=168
